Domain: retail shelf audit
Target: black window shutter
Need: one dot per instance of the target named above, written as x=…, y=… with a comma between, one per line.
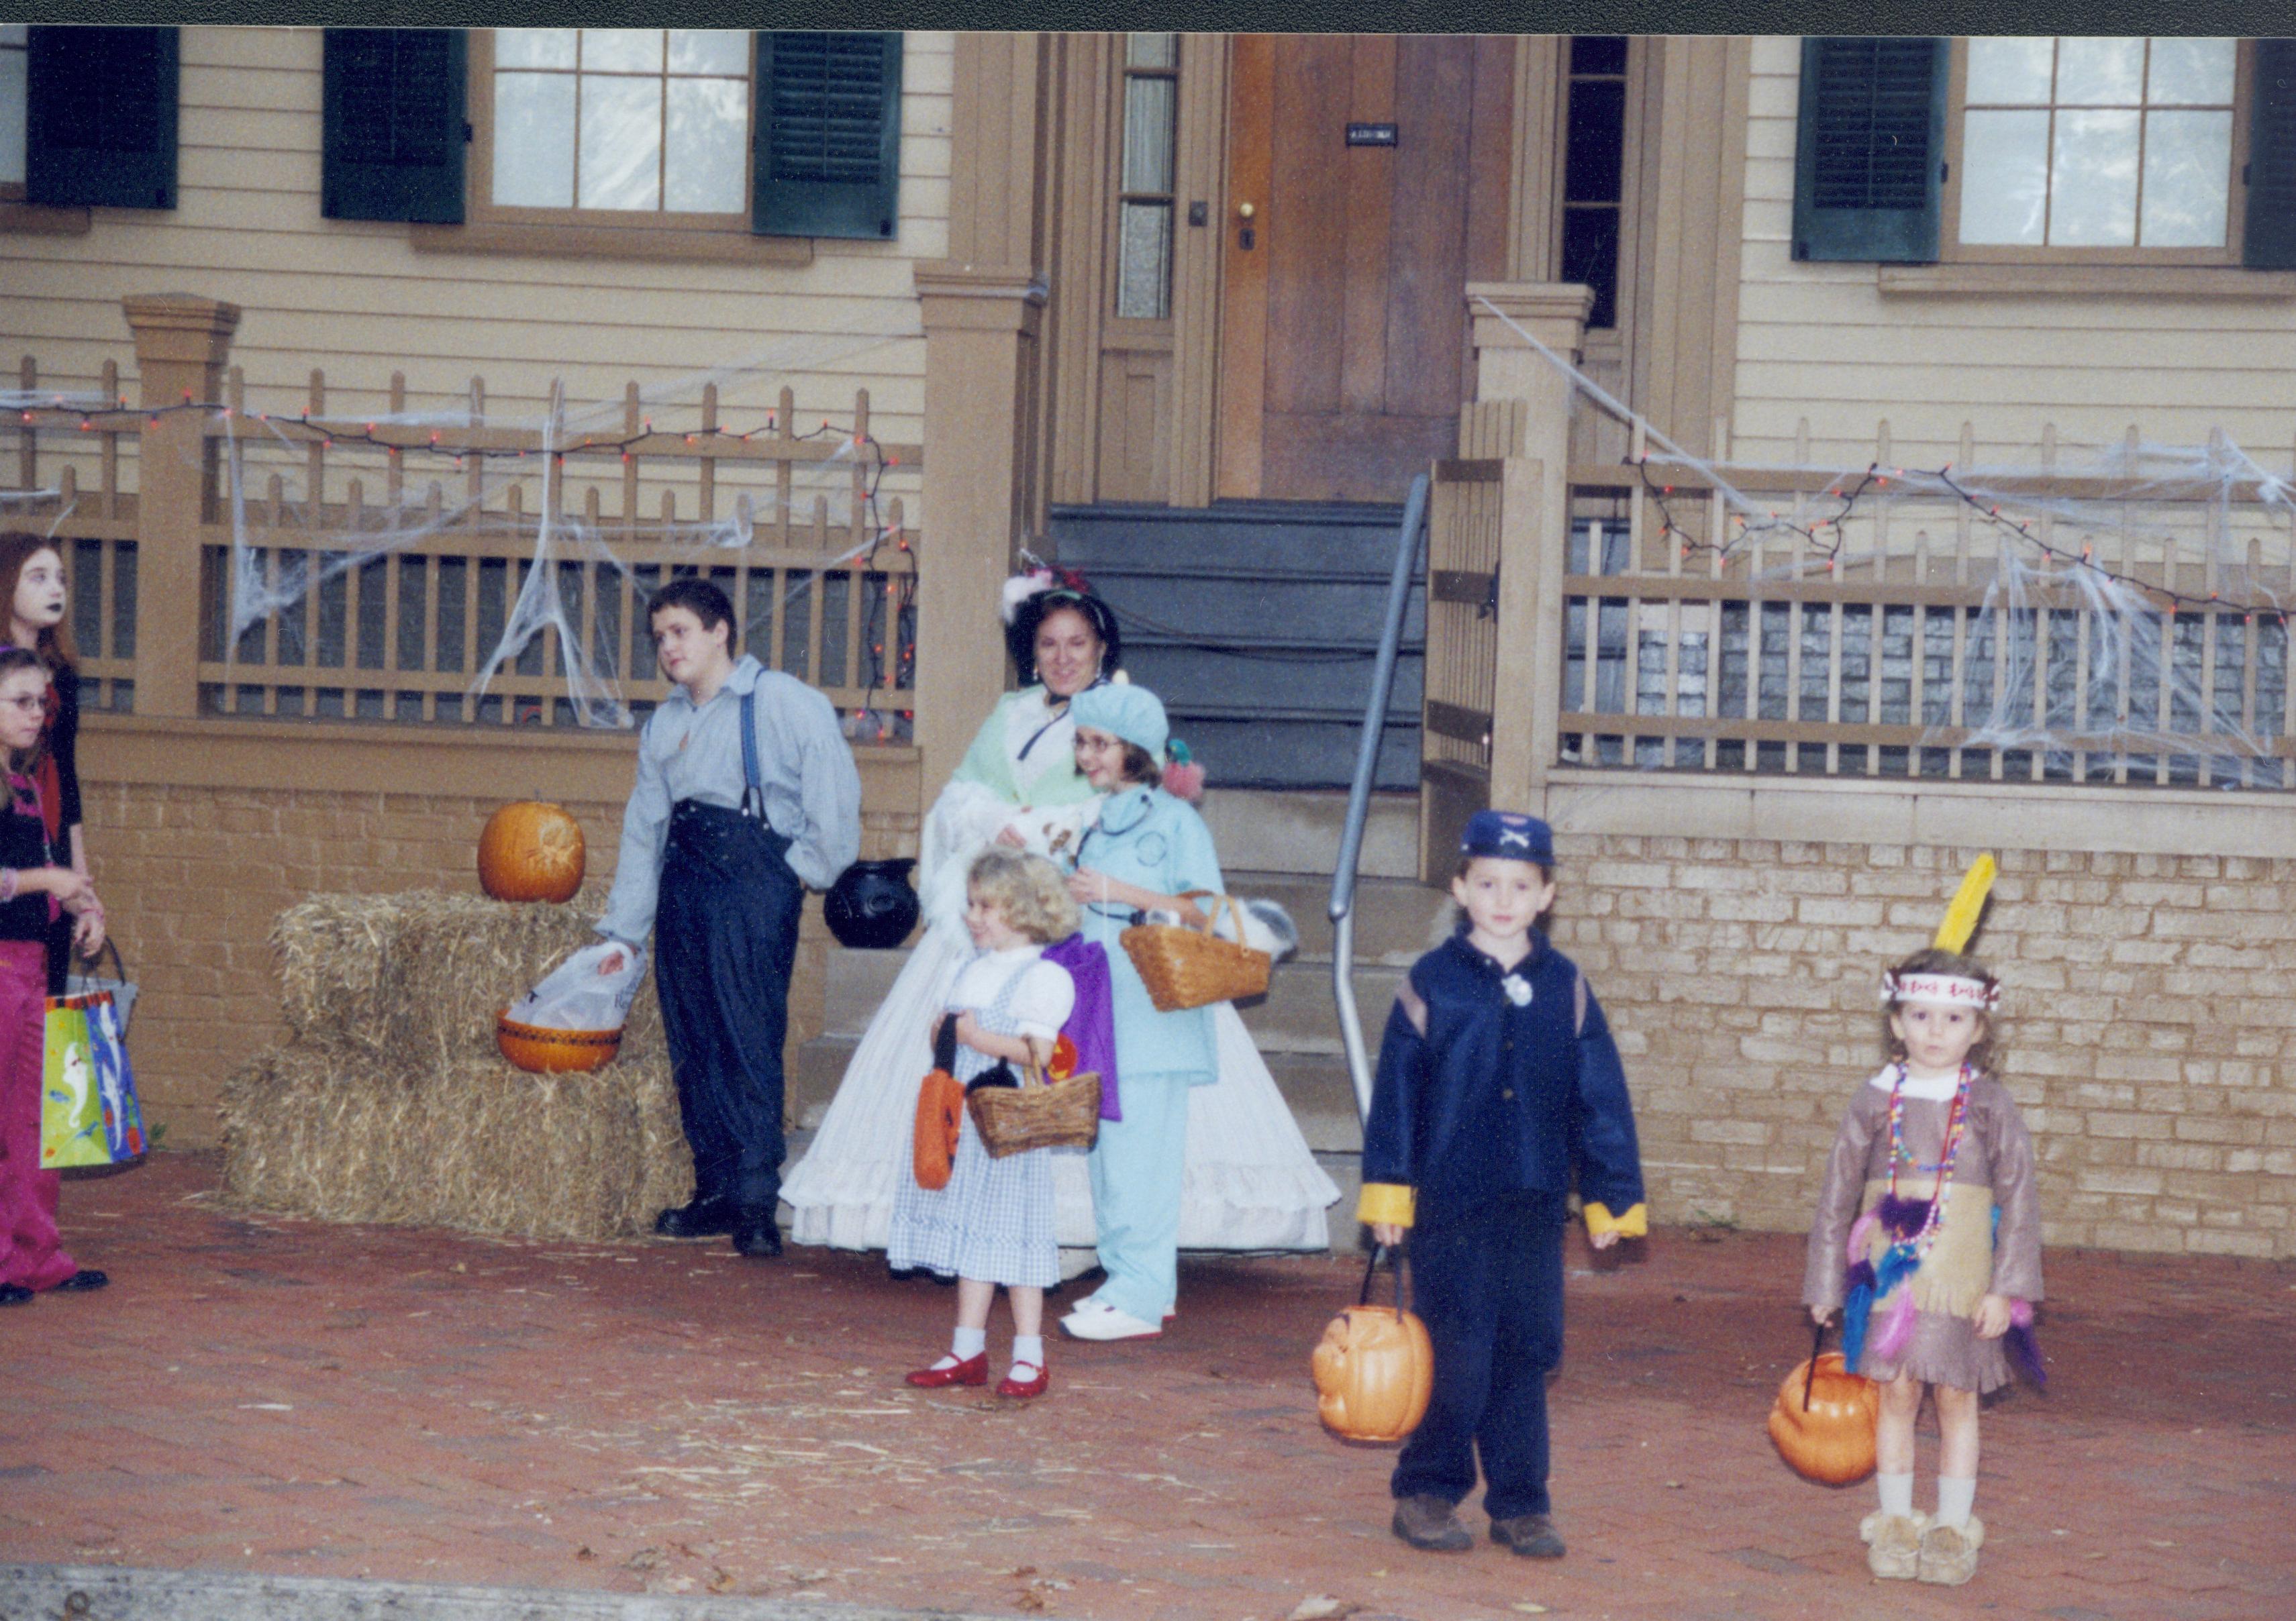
x=100, y=118
x=2268, y=238
x=826, y=157
x=1869, y=150
x=394, y=129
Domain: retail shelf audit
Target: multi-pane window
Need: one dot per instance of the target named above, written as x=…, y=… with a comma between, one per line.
x=1593, y=170
x=1145, y=183
x=14, y=40
x=2097, y=142
x=633, y=120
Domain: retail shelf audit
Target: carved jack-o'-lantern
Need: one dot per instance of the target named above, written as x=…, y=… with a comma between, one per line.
x=530, y=852
x=1831, y=1438
x=1374, y=1371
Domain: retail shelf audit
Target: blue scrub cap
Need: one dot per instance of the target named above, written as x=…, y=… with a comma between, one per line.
x=1132, y=713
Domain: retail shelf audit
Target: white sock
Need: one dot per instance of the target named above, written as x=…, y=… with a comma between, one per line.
x=966, y=1343
x=1896, y=1493
x=1029, y=1348
x=1956, y=1494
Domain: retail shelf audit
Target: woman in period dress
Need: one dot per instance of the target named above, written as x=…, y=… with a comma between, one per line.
x=1251, y=1182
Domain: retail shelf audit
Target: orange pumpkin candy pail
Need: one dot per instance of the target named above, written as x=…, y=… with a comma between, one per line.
x=1374, y=1368
x=1822, y=1422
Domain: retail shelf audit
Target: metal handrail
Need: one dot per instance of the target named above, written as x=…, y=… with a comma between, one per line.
x=1343, y=877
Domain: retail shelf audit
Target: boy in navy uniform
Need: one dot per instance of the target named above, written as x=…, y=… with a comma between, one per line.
x=1499, y=1087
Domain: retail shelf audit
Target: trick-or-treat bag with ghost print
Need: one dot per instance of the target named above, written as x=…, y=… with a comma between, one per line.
x=88, y=1112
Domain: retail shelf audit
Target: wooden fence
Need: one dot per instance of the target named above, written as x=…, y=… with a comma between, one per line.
x=335, y=580
x=2132, y=632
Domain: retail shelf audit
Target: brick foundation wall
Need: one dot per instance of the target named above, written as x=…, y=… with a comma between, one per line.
x=2148, y=1016
x=193, y=876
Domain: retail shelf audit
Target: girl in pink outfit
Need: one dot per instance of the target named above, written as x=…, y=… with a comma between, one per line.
x=34, y=892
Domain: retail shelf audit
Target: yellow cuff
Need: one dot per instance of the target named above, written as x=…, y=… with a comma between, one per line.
x=1634, y=1224
x=1386, y=1201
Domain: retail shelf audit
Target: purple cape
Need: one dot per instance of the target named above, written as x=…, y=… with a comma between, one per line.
x=1092, y=1022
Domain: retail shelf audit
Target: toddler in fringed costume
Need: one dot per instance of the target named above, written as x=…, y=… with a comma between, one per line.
x=1928, y=1240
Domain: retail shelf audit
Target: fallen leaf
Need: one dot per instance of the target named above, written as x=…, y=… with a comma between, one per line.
x=1322, y=1607
x=720, y=1581
x=1528, y=1608
x=644, y=1559
x=583, y=1552
x=1029, y=1599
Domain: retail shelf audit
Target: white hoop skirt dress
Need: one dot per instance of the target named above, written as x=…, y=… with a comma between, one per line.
x=1250, y=1182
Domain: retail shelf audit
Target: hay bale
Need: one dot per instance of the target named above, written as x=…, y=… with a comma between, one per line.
x=326, y=1132
x=418, y=978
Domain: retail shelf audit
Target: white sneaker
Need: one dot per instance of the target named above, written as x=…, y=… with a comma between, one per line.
x=1095, y=1319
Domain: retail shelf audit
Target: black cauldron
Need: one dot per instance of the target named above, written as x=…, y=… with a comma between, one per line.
x=872, y=907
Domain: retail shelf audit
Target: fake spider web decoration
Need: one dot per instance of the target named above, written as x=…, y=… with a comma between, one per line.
x=2107, y=614
x=481, y=492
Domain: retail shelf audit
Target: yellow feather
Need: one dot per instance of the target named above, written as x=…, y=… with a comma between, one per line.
x=1968, y=901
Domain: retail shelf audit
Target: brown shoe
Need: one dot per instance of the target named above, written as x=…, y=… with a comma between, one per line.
x=1426, y=1521
x=1531, y=1536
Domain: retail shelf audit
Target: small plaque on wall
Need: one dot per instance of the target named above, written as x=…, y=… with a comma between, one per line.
x=1371, y=135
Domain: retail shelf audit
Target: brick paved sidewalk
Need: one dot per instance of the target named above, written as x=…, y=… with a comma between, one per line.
x=287, y=1397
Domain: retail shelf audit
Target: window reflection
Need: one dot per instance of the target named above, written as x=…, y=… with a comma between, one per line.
x=622, y=120
x=2097, y=142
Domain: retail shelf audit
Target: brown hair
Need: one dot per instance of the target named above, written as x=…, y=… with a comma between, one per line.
x=1140, y=766
x=17, y=548
x=1546, y=872
x=1936, y=960
x=13, y=659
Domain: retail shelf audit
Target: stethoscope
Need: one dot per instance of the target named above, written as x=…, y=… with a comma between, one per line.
x=1037, y=736
x=1109, y=909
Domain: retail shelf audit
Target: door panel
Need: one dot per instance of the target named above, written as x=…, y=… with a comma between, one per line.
x=1343, y=353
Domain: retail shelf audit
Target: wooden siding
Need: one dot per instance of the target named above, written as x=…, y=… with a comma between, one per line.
x=360, y=300
x=1826, y=342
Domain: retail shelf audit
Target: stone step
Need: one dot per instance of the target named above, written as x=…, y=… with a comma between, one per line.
x=1298, y=830
x=1393, y=915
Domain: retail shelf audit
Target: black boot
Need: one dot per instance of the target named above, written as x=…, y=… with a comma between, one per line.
x=756, y=1235
x=703, y=1218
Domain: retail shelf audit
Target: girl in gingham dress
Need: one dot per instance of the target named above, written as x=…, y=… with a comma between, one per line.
x=992, y=1222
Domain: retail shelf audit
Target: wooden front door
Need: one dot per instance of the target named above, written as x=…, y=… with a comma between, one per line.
x=1344, y=356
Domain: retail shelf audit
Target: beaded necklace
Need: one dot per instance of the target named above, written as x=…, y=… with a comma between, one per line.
x=1956, y=1123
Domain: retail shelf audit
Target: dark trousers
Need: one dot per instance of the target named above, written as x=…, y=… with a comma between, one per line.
x=725, y=942
x=1489, y=1284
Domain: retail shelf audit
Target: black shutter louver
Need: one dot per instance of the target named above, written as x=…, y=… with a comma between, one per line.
x=100, y=118
x=2269, y=236
x=1869, y=150
x=394, y=125
x=827, y=152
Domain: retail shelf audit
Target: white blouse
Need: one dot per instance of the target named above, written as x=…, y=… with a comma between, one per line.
x=1039, y=1005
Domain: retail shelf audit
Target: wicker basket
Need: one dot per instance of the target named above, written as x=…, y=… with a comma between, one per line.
x=1186, y=965
x=1037, y=1114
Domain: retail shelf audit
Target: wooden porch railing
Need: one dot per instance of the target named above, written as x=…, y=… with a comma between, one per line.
x=1922, y=639
x=314, y=568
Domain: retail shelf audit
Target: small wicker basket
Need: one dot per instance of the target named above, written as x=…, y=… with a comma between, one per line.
x=1038, y=1113
x=1186, y=965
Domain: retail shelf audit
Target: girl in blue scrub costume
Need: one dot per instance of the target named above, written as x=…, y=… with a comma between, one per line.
x=1146, y=849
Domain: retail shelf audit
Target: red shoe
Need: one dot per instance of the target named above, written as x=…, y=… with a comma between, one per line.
x=1024, y=1388
x=971, y=1371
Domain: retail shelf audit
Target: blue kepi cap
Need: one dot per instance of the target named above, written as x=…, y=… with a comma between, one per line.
x=1509, y=835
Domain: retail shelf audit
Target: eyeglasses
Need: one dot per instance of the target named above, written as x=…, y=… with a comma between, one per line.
x=30, y=703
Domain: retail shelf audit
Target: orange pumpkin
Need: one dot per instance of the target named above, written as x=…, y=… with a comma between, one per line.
x=530, y=852
x=1374, y=1371
x=940, y=1118
x=1832, y=1440
x=1063, y=1062
x=555, y=1052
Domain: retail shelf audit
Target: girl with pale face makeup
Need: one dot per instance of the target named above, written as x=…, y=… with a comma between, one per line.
x=32, y=575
